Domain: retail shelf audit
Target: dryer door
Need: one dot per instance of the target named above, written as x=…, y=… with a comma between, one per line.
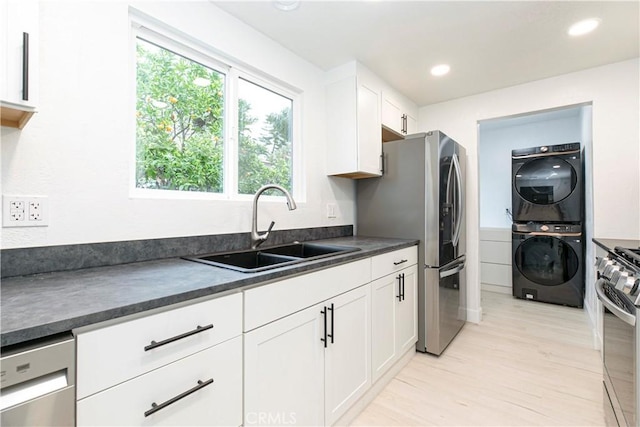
x=545, y=181
x=546, y=260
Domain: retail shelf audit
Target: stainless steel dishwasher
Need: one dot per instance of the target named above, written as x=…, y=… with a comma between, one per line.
x=37, y=383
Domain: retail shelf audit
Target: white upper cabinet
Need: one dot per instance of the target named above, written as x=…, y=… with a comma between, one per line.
x=354, y=135
x=398, y=116
x=19, y=53
x=363, y=112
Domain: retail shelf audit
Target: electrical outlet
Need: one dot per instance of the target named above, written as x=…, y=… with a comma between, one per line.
x=24, y=211
x=16, y=215
x=35, y=210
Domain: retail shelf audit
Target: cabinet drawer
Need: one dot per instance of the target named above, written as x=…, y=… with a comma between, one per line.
x=273, y=301
x=218, y=403
x=388, y=263
x=114, y=354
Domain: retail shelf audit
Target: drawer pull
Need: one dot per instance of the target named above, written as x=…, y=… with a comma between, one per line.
x=155, y=407
x=197, y=330
x=324, y=320
x=331, y=336
x=25, y=66
x=400, y=262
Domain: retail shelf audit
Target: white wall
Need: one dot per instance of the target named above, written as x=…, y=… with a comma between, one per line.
x=497, y=138
x=613, y=91
x=78, y=149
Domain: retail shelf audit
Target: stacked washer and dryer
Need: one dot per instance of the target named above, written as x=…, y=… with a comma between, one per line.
x=547, y=232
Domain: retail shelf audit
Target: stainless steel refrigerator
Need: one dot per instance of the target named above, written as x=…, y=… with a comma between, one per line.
x=421, y=196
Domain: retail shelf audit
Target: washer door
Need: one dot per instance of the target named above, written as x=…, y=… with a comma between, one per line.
x=545, y=181
x=546, y=260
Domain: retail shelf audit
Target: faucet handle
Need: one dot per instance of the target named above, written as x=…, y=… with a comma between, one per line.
x=271, y=226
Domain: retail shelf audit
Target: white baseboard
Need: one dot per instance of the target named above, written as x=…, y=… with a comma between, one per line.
x=496, y=288
x=474, y=316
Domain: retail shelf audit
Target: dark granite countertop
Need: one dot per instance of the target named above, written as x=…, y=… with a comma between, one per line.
x=609, y=244
x=45, y=304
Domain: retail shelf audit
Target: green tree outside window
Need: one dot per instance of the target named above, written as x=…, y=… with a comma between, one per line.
x=180, y=127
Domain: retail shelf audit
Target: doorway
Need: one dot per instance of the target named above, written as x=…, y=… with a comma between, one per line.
x=496, y=138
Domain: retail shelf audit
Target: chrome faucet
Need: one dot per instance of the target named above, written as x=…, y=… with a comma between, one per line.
x=258, y=238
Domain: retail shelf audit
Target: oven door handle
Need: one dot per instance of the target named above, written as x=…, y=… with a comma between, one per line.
x=617, y=311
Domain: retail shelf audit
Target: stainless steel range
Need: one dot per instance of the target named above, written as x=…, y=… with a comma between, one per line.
x=618, y=287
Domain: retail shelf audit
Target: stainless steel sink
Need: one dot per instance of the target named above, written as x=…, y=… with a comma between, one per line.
x=252, y=261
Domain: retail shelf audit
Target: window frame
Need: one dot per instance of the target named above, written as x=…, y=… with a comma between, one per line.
x=195, y=50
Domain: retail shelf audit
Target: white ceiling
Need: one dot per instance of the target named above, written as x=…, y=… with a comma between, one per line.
x=489, y=44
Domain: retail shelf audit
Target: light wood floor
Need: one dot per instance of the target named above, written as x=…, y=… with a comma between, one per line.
x=526, y=364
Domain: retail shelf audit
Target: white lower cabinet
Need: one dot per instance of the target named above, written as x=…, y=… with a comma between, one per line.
x=309, y=367
x=283, y=371
x=299, y=351
x=181, y=366
x=394, y=317
x=347, y=363
x=203, y=389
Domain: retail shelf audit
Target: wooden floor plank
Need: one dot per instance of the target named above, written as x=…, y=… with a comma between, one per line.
x=526, y=364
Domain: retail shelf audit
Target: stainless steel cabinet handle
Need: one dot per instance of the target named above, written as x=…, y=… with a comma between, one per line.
x=460, y=201
x=400, y=262
x=617, y=311
x=155, y=407
x=399, y=287
x=453, y=271
x=197, y=330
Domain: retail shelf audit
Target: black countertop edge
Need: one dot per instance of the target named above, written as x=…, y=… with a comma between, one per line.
x=20, y=336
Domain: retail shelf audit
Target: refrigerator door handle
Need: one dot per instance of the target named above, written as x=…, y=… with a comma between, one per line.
x=459, y=201
x=459, y=266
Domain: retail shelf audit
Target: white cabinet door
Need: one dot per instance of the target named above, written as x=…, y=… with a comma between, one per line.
x=411, y=124
x=369, y=131
x=284, y=371
x=392, y=115
x=384, y=297
x=18, y=61
x=213, y=377
x=407, y=312
x=397, y=116
x=348, y=352
x=394, y=318
x=19, y=17
x=354, y=134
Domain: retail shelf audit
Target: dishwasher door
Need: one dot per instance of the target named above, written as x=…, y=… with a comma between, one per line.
x=37, y=385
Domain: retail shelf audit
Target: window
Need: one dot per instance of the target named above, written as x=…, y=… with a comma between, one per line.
x=264, y=138
x=179, y=114
x=206, y=126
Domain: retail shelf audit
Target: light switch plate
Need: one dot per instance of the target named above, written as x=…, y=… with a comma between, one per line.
x=332, y=210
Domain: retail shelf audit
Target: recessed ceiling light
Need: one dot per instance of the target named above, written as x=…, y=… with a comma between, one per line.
x=440, y=70
x=583, y=27
x=286, y=5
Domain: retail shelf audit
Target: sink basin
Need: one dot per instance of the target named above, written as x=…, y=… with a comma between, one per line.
x=247, y=261
x=278, y=256
x=308, y=250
